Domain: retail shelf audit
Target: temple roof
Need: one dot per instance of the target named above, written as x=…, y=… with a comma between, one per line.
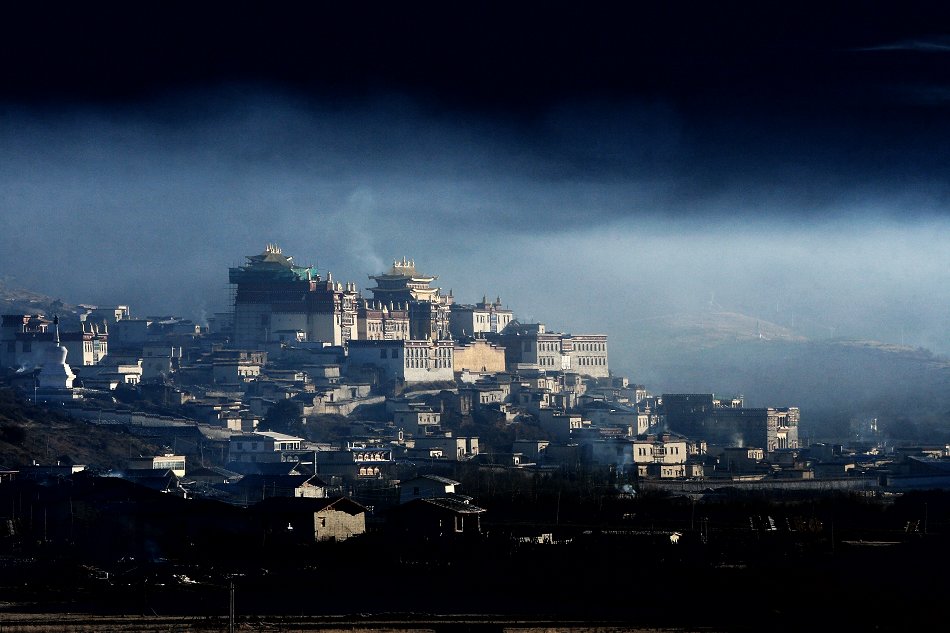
x=405, y=269
x=271, y=265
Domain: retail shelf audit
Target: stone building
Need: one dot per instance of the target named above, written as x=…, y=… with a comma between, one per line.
x=728, y=423
x=426, y=487
x=106, y=314
x=428, y=308
x=479, y=356
x=167, y=461
x=311, y=520
x=586, y=354
x=532, y=346
x=418, y=421
x=356, y=461
x=274, y=295
x=236, y=366
x=25, y=339
x=472, y=320
x=445, y=447
x=381, y=321
x=263, y=446
x=768, y=428
x=661, y=456
x=404, y=361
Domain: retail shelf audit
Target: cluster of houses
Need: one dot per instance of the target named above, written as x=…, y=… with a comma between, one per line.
x=304, y=346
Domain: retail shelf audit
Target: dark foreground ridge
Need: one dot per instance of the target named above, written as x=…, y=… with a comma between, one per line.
x=735, y=562
x=409, y=623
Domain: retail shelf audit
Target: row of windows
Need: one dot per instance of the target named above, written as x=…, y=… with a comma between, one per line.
x=170, y=464
x=373, y=456
x=590, y=347
x=424, y=363
x=591, y=360
x=388, y=336
x=658, y=451
x=420, y=352
x=425, y=352
x=386, y=326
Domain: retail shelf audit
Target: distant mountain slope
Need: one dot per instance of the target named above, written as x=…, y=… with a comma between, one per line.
x=835, y=382
x=716, y=327
x=15, y=300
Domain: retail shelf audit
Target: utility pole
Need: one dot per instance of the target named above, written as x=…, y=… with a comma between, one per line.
x=231, y=605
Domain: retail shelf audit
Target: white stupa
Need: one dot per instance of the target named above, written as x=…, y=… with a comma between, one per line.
x=55, y=377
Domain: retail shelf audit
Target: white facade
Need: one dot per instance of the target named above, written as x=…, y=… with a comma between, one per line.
x=451, y=448
x=417, y=421
x=533, y=347
x=408, y=361
x=262, y=446
x=587, y=354
x=236, y=371
x=559, y=425
x=174, y=463
x=481, y=318
x=660, y=456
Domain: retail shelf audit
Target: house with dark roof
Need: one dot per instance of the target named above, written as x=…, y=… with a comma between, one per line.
x=426, y=487
x=160, y=479
x=211, y=475
x=436, y=518
x=258, y=487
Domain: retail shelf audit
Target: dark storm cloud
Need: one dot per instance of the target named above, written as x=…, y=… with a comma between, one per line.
x=150, y=206
x=596, y=168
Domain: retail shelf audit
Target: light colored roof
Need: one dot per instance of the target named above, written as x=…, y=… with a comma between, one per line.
x=280, y=437
x=452, y=504
x=442, y=480
x=435, y=478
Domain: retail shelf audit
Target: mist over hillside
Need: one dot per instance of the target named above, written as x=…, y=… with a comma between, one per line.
x=839, y=384
x=16, y=300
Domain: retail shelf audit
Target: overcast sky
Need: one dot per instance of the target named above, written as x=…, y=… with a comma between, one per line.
x=595, y=169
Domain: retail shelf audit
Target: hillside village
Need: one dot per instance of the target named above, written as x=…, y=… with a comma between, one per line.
x=315, y=412
x=307, y=371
